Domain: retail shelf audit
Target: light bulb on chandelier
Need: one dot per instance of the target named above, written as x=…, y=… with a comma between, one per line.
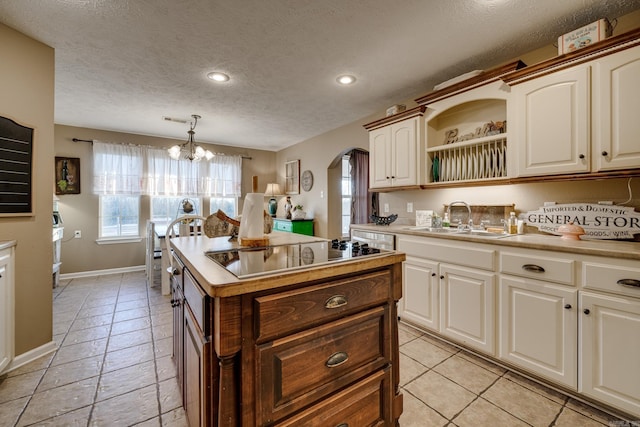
x=190, y=150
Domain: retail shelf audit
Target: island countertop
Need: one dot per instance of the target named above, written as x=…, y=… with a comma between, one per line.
x=218, y=282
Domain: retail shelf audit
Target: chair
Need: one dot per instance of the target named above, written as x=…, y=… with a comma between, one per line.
x=153, y=254
x=186, y=225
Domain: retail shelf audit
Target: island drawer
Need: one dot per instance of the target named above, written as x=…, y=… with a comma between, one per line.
x=537, y=266
x=362, y=404
x=285, y=312
x=198, y=302
x=611, y=275
x=299, y=370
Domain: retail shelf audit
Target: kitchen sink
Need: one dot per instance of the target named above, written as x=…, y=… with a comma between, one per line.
x=434, y=230
x=456, y=231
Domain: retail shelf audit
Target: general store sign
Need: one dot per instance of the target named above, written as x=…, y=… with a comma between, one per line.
x=598, y=221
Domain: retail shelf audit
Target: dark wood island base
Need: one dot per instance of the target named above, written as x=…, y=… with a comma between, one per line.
x=315, y=347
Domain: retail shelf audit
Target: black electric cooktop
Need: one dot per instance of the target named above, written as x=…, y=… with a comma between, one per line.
x=249, y=262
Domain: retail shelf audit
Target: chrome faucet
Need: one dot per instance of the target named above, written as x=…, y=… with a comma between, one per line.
x=469, y=219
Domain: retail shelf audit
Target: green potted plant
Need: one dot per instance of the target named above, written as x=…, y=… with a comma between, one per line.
x=298, y=212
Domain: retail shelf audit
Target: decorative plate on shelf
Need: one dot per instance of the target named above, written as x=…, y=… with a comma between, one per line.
x=307, y=180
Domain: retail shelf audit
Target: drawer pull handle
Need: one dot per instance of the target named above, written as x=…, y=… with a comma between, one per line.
x=336, y=301
x=567, y=306
x=533, y=268
x=337, y=359
x=343, y=425
x=634, y=283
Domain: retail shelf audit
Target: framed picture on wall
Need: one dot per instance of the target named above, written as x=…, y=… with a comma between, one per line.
x=67, y=175
x=292, y=177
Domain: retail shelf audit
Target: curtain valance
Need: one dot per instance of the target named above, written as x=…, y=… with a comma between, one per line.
x=130, y=169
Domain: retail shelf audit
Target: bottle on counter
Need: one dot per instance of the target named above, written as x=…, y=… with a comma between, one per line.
x=445, y=221
x=512, y=225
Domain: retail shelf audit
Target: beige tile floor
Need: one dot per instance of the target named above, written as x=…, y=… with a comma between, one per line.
x=113, y=368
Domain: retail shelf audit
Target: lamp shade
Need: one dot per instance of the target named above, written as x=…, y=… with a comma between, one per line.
x=272, y=190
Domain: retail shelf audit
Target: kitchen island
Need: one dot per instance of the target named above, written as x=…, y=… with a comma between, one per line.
x=313, y=343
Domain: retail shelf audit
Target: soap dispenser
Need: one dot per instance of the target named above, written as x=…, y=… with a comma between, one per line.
x=513, y=223
x=445, y=221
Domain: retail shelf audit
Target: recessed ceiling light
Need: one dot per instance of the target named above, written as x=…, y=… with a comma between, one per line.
x=346, y=79
x=217, y=76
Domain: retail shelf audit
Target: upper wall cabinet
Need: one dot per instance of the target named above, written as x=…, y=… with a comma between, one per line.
x=616, y=103
x=466, y=137
x=575, y=113
x=465, y=129
x=396, y=146
x=550, y=120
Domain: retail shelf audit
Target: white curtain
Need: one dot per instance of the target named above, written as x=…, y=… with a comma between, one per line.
x=224, y=178
x=128, y=169
x=117, y=169
x=165, y=176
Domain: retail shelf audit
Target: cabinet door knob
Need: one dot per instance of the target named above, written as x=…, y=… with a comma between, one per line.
x=567, y=306
x=604, y=153
x=433, y=274
x=634, y=283
x=442, y=277
x=337, y=359
x=586, y=311
x=581, y=156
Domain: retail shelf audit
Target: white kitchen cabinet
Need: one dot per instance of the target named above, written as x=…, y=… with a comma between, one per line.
x=616, y=102
x=6, y=305
x=538, y=327
x=609, y=323
x=419, y=303
x=467, y=309
x=537, y=305
x=579, y=119
x=551, y=121
x=453, y=300
x=395, y=154
x=609, y=349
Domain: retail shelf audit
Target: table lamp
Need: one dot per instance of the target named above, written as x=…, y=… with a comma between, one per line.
x=272, y=190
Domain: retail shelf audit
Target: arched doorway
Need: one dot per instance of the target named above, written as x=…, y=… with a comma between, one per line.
x=348, y=198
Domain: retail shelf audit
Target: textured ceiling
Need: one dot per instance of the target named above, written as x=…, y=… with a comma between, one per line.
x=124, y=64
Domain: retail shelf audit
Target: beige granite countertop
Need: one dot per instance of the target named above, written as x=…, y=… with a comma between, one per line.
x=218, y=282
x=607, y=248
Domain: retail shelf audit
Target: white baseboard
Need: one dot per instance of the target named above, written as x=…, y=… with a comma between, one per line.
x=31, y=355
x=102, y=272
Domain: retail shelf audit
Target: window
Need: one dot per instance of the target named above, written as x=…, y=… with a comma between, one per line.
x=165, y=209
x=228, y=205
x=119, y=216
x=346, y=195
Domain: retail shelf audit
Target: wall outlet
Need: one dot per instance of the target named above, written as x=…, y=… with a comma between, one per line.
x=409, y=207
x=77, y=234
x=386, y=208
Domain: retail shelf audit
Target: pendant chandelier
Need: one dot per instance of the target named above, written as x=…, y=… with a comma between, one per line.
x=190, y=150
